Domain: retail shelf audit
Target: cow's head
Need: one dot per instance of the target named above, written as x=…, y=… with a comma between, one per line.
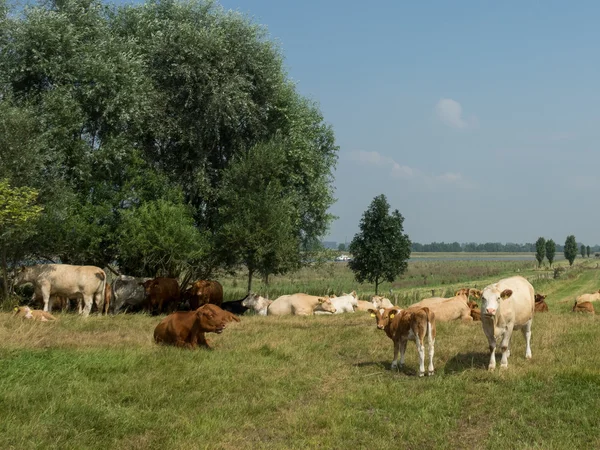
x=463, y=291
x=472, y=305
x=384, y=317
x=491, y=299
x=475, y=293
x=539, y=298
x=324, y=304
x=212, y=319
x=22, y=275
x=255, y=302
x=378, y=301
x=23, y=311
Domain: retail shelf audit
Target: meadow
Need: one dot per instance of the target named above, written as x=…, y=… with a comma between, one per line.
x=308, y=382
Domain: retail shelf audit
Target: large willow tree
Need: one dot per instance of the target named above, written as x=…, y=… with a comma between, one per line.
x=150, y=102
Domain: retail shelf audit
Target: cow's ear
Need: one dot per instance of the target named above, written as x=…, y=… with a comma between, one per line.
x=372, y=312
x=320, y=300
x=505, y=294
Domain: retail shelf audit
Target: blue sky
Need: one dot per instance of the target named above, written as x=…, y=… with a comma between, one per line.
x=478, y=120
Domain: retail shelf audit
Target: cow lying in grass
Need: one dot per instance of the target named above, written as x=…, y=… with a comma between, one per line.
x=583, y=307
x=447, y=309
x=33, y=314
x=257, y=304
x=381, y=302
x=589, y=297
x=186, y=328
x=475, y=311
x=540, y=304
x=403, y=325
x=299, y=305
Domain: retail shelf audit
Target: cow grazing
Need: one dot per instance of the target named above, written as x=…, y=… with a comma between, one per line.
x=403, y=325
x=381, y=302
x=161, y=293
x=299, y=305
x=257, y=304
x=235, y=307
x=203, y=292
x=33, y=314
x=66, y=280
x=583, y=307
x=506, y=306
x=187, y=328
x=128, y=294
x=540, y=304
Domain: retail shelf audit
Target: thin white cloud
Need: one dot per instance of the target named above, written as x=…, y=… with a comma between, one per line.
x=400, y=171
x=450, y=112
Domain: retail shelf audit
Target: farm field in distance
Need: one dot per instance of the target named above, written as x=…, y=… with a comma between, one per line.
x=309, y=382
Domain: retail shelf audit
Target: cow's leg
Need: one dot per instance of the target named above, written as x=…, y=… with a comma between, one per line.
x=492, y=344
x=395, y=361
x=431, y=341
x=527, y=333
x=421, y=351
x=79, y=306
x=403, y=343
x=50, y=303
x=46, y=297
x=87, y=300
x=504, y=347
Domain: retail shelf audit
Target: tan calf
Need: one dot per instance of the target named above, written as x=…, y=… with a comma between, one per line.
x=447, y=309
x=33, y=314
x=540, y=304
x=403, y=325
x=583, y=307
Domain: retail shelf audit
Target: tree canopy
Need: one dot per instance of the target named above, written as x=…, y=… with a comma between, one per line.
x=122, y=114
x=540, y=250
x=570, y=250
x=550, y=251
x=380, y=250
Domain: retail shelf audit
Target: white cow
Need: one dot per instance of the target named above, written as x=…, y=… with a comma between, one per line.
x=299, y=305
x=65, y=280
x=505, y=306
x=381, y=302
x=257, y=303
x=343, y=304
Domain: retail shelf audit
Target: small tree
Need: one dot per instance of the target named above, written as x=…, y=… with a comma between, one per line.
x=550, y=251
x=342, y=247
x=588, y=250
x=380, y=250
x=570, y=249
x=540, y=250
x=582, y=250
x=18, y=210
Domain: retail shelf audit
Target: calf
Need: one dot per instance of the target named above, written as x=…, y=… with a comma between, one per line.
x=187, y=328
x=402, y=325
x=33, y=314
x=540, y=304
x=583, y=307
x=475, y=311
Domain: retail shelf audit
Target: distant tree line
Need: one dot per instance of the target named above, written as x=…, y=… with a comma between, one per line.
x=473, y=247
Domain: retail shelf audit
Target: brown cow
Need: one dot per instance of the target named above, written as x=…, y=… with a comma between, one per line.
x=475, y=311
x=186, y=328
x=203, y=292
x=161, y=293
x=32, y=314
x=108, y=295
x=583, y=307
x=540, y=304
x=402, y=325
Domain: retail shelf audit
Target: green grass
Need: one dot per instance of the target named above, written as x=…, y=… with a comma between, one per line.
x=300, y=382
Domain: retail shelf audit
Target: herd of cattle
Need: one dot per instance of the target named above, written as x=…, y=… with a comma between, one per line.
x=504, y=306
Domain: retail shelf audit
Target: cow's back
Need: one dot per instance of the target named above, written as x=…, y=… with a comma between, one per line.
x=281, y=306
x=68, y=280
x=428, y=302
x=522, y=300
x=304, y=304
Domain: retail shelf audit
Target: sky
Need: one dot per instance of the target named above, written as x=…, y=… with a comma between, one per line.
x=478, y=120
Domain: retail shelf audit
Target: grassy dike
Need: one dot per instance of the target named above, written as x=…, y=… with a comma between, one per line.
x=303, y=382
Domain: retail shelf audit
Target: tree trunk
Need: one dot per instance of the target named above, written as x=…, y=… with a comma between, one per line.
x=4, y=274
x=250, y=273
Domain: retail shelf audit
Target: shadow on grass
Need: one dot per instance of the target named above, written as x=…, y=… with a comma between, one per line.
x=387, y=366
x=466, y=361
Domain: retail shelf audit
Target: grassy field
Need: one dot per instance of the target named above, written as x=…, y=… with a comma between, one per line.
x=305, y=382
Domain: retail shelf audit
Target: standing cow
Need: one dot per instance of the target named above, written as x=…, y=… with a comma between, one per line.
x=505, y=306
x=66, y=280
x=127, y=294
x=161, y=292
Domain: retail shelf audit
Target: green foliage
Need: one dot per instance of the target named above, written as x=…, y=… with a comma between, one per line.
x=582, y=250
x=342, y=247
x=260, y=216
x=550, y=251
x=588, y=251
x=159, y=239
x=380, y=250
x=540, y=250
x=570, y=249
x=104, y=109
